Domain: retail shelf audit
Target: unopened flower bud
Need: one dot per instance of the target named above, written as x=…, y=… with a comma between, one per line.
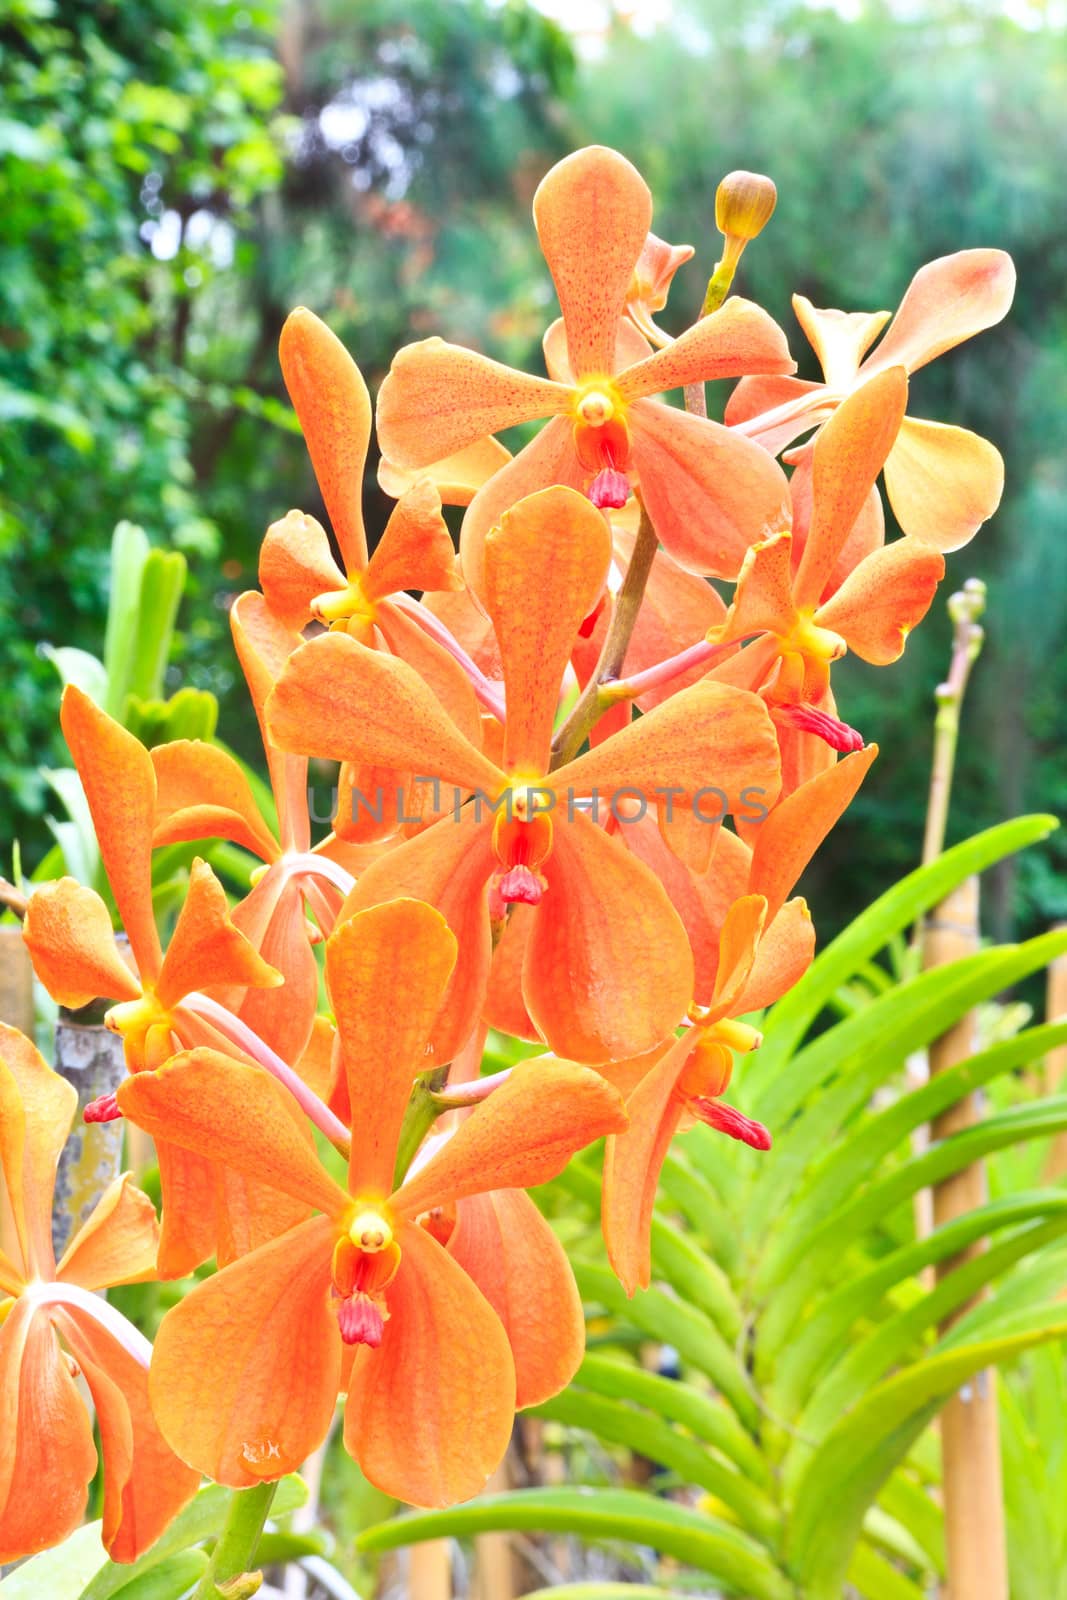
x=744, y=204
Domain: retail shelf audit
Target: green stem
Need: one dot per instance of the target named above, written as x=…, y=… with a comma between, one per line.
x=239, y=1540
x=591, y=705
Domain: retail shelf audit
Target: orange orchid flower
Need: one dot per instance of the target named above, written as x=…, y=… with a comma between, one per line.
x=248, y=1366
x=300, y=579
x=651, y=284
x=943, y=482
x=609, y=972
x=164, y=1007
x=708, y=494
x=54, y=1325
x=202, y=793
x=751, y=943
x=808, y=618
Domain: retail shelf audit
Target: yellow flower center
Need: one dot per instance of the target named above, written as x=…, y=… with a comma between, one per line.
x=341, y=605
x=370, y=1232
x=133, y=1018
x=596, y=406
x=813, y=642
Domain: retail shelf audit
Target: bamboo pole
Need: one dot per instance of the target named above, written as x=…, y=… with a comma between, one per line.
x=495, y=1576
x=1056, y=1060
x=970, y=1424
x=430, y=1571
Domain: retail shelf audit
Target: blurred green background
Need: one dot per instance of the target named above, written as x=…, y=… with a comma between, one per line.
x=176, y=174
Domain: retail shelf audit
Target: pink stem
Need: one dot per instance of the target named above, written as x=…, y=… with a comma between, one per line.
x=239, y=1033
x=665, y=671
x=472, y=1093
x=112, y=1321
x=812, y=401
x=318, y=866
x=488, y=693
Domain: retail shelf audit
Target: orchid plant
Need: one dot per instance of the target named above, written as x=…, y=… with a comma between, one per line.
x=577, y=788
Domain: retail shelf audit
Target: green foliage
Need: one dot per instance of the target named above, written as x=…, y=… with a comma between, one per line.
x=814, y=1353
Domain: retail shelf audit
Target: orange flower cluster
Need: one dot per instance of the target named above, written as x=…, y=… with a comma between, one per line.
x=512, y=848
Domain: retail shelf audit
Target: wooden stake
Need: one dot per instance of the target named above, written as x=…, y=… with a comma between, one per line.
x=430, y=1571
x=90, y=1057
x=970, y=1427
x=1056, y=1060
x=494, y=1560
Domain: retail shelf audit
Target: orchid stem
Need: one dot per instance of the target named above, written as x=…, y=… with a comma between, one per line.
x=487, y=693
x=238, y=1542
x=589, y=706
x=965, y=608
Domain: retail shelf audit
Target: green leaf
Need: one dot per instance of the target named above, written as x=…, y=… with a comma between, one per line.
x=647, y=1435
x=168, y=1579
x=875, y=1579
x=129, y=551
x=60, y=1573
x=661, y=1317
x=162, y=583
x=603, y=1591
x=868, y=933
x=858, y=1454
x=601, y=1514
x=85, y=671
x=201, y=1519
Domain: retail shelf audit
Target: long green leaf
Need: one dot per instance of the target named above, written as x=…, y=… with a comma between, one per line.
x=647, y=1435
x=709, y=1419
x=857, y=1456
x=868, y=933
x=601, y=1514
x=856, y=1157
x=129, y=552
x=808, y=1348
x=661, y=1317
x=875, y=1579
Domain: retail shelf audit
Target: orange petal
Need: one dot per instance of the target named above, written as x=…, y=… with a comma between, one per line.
x=840, y=339
x=943, y=482
x=438, y=670
x=457, y=478
x=592, y=212
x=331, y=400
x=876, y=608
x=189, y=1229
x=71, y=943
x=524, y=1133
x=281, y=1015
x=505, y=1008
x=202, y=793
x=427, y=1423
x=206, y=947
x=47, y=1457
x=440, y=398
x=449, y=867
x=415, y=551
x=608, y=969
x=237, y=1114
x=786, y=841
x=295, y=567
x=783, y=955
x=264, y=644
x=339, y=700
x=118, y=1242
x=120, y=786
x=632, y=1163
x=868, y=530
x=710, y=493
x=948, y=300
x=545, y=567
x=755, y=397
x=763, y=601
x=315, y=1065
x=387, y=969
x=505, y=1245
x=710, y=729
x=36, y=1108
x=850, y=452
x=630, y=348
x=548, y=459
x=468, y=623
x=701, y=901
x=145, y=1485
x=246, y=1368
x=738, y=338
x=738, y=943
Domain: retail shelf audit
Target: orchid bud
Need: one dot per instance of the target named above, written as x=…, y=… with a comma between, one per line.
x=744, y=204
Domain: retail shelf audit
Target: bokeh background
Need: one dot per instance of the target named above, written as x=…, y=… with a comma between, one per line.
x=175, y=175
